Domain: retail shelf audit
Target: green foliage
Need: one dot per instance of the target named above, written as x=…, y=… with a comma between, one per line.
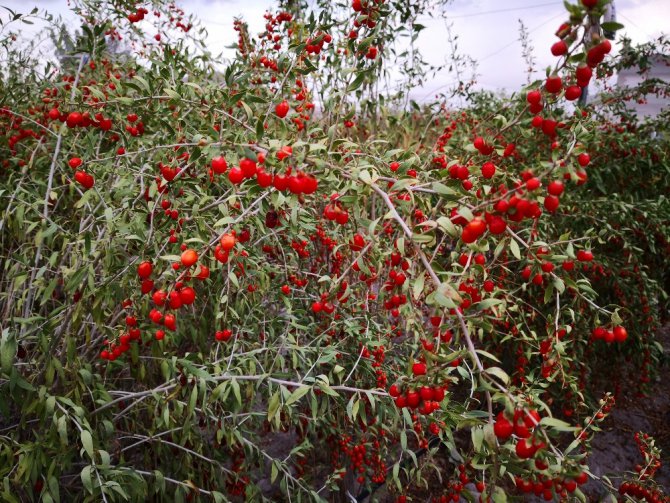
x=308, y=304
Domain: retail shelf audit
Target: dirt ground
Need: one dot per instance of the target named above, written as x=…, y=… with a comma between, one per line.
x=614, y=449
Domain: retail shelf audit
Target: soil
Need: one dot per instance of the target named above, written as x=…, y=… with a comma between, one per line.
x=614, y=450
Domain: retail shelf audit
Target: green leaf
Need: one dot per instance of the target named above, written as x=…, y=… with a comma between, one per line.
x=487, y=303
x=298, y=394
x=499, y=373
x=557, y=424
x=86, y=478
x=62, y=430
x=236, y=391
x=358, y=82
x=260, y=128
x=440, y=188
x=273, y=406
x=477, y=438
x=514, y=247
x=87, y=442
x=611, y=26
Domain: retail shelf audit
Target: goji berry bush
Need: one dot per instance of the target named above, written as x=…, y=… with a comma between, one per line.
x=279, y=278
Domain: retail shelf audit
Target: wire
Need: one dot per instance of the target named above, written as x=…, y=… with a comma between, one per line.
x=636, y=25
x=484, y=13
x=515, y=41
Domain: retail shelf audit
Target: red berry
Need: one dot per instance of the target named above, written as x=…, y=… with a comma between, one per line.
x=572, y=93
x=559, y=48
x=189, y=257
x=534, y=97
x=219, y=165
x=235, y=175
x=144, y=269
x=282, y=109
x=419, y=369
x=488, y=170
x=553, y=84
x=555, y=188
x=503, y=428
x=584, y=159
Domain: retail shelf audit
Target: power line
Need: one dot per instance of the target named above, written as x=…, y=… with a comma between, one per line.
x=497, y=11
x=515, y=41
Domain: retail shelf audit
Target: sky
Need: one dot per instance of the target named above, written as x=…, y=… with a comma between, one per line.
x=487, y=30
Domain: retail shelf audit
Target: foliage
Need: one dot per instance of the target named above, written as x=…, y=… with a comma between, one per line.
x=274, y=280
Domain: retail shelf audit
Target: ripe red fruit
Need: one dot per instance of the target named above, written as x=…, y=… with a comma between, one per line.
x=533, y=183
x=488, y=170
x=620, y=334
x=144, y=269
x=295, y=185
x=189, y=257
x=584, y=255
x=175, y=300
x=503, y=428
x=534, y=97
x=475, y=228
x=263, y=178
x=84, y=179
x=555, y=188
x=187, y=295
x=248, y=167
x=553, y=84
x=309, y=184
x=227, y=242
x=572, y=93
x=394, y=166
x=54, y=114
x=147, y=286
x=589, y=4
x=551, y=203
x=282, y=109
x=559, y=48
x=426, y=393
x=568, y=265
x=284, y=152
x=584, y=159
x=531, y=418
x=74, y=119
x=204, y=272
x=419, y=369
x=285, y=289
x=497, y=225
x=170, y=321
x=159, y=297
x=235, y=175
x=317, y=307
x=280, y=182
x=525, y=449
x=219, y=165
x=75, y=162
x=413, y=399
x=342, y=217
x=223, y=335
x=583, y=75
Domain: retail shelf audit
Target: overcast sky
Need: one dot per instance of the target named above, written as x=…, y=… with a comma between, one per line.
x=488, y=31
